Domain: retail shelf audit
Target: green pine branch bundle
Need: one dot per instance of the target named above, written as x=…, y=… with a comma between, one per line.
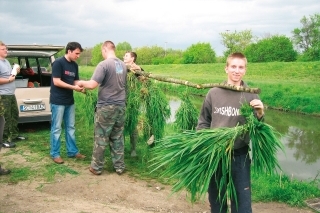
x=186, y=117
x=192, y=157
x=133, y=102
x=157, y=110
x=89, y=104
x=147, y=105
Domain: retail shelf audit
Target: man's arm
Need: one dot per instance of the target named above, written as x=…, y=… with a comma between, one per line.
x=7, y=80
x=205, y=118
x=59, y=83
x=10, y=79
x=91, y=84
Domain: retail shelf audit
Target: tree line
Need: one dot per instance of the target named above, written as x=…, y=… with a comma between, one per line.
x=304, y=45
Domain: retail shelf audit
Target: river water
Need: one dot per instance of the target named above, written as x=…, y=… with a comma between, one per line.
x=300, y=137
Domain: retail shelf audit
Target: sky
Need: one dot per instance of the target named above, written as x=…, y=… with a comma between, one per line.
x=175, y=24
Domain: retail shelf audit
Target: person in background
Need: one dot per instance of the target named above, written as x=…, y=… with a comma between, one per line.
x=212, y=116
x=111, y=77
x=3, y=171
x=129, y=59
x=7, y=92
x=65, y=75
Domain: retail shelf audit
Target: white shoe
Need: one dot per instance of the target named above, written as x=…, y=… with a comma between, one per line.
x=151, y=140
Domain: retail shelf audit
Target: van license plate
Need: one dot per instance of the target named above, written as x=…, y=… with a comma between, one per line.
x=34, y=107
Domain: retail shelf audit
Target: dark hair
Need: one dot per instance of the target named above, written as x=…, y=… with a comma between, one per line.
x=73, y=45
x=133, y=55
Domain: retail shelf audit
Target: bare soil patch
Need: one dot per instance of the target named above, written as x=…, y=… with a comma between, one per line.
x=87, y=193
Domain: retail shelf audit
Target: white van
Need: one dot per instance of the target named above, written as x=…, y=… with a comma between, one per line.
x=33, y=81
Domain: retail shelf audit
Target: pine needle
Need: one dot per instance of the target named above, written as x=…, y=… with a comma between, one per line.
x=191, y=157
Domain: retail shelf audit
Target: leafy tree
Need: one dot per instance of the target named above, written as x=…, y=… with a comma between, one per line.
x=274, y=48
x=308, y=35
x=122, y=48
x=312, y=54
x=147, y=54
x=307, y=38
x=96, y=54
x=60, y=53
x=85, y=57
x=171, y=57
x=236, y=41
x=199, y=53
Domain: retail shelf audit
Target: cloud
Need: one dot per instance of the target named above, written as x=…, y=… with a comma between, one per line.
x=144, y=22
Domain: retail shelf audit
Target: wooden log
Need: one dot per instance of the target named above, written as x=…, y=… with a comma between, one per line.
x=198, y=86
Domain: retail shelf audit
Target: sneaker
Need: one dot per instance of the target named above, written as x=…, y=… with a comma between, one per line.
x=119, y=171
x=4, y=171
x=150, y=142
x=20, y=137
x=8, y=144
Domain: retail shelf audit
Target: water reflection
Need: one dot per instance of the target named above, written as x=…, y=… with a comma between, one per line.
x=300, y=136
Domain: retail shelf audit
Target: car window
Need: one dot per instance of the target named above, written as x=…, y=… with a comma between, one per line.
x=45, y=64
x=33, y=63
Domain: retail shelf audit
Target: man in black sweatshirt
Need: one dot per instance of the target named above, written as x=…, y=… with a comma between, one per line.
x=221, y=108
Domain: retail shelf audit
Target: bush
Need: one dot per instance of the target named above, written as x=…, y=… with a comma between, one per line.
x=275, y=48
x=199, y=53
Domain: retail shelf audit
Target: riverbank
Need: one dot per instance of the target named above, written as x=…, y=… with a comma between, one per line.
x=287, y=86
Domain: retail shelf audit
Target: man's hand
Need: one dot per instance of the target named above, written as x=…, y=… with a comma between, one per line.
x=11, y=78
x=258, y=106
x=78, y=88
x=79, y=83
x=133, y=66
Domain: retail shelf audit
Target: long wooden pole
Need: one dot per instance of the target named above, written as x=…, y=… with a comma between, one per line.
x=198, y=86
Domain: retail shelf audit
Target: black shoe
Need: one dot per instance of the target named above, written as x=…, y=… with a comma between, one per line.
x=8, y=144
x=4, y=171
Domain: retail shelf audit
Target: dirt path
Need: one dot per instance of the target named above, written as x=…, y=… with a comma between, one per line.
x=86, y=193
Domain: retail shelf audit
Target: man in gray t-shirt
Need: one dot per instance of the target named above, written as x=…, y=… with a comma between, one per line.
x=7, y=92
x=110, y=75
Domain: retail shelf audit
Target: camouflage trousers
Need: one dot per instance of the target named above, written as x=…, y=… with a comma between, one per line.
x=1, y=129
x=11, y=116
x=108, y=131
x=134, y=139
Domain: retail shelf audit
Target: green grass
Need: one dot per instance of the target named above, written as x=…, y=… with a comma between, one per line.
x=286, y=86
x=282, y=189
x=290, y=86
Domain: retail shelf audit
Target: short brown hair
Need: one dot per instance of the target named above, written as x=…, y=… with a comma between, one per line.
x=2, y=44
x=109, y=45
x=237, y=55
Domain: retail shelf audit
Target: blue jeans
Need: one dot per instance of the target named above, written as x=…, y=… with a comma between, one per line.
x=240, y=172
x=65, y=113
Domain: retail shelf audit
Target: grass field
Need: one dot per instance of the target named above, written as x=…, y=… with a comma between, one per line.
x=290, y=86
